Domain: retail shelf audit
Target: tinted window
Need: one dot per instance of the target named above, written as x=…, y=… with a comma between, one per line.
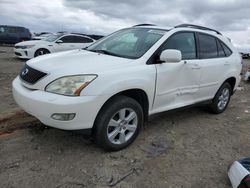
x=185, y=42
x=227, y=51
x=75, y=39
x=208, y=46
x=221, y=52
x=79, y=39
x=68, y=39
x=12, y=30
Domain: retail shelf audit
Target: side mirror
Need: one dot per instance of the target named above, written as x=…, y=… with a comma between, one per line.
x=170, y=56
x=59, y=41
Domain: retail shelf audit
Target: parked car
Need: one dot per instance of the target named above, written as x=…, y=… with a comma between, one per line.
x=53, y=43
x=112, y=86
x=41, y=36
x=245, y=55
x=13, y=34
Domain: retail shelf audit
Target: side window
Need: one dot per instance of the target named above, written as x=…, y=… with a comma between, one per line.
x=208, y=46
x=227, y=51
x=67, y=39
x=221, y=52
x=2, y=30
x=84, y=40
x=20, y=29
x=11, y=30
x=185, y=42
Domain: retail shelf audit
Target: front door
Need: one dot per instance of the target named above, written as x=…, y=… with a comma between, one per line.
x=68, y=43
x=177, y=84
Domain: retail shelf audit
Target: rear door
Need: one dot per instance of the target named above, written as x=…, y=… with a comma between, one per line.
x=213, y=60
x=177, y=84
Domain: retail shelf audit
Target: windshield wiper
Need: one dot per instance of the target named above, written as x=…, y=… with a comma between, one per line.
x=105, y=52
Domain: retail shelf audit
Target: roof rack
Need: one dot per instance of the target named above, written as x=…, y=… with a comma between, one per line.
x=197, y=27
x=144, y=25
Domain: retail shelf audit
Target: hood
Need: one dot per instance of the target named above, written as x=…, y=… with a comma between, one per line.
x=77, y=62
x=31, y=42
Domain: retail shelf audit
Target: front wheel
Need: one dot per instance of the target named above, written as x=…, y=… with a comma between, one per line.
x=221, y=99
x=118, y=123
x=41, y=52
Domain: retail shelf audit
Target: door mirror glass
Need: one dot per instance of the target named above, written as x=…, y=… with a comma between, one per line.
x=59, y=41
x=170, y=56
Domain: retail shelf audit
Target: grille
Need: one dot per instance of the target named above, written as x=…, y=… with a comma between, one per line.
x=31, y=75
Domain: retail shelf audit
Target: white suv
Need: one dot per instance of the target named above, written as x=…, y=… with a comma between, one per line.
x=115, y=84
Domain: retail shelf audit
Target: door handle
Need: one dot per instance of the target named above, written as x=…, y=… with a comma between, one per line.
x=227, y=63
x=196, y=66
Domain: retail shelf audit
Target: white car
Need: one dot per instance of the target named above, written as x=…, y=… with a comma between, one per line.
x=51, y=44
x=112, y=86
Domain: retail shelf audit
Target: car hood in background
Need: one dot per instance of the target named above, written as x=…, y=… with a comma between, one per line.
x=31, y=42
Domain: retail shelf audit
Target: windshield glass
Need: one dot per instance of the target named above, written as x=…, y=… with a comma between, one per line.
x=52, y=38
x=128, y=43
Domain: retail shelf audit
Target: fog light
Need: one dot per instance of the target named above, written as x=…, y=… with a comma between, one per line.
x=63, y=117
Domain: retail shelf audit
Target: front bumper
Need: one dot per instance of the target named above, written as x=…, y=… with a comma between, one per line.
x=42, y=105
x=24, y=53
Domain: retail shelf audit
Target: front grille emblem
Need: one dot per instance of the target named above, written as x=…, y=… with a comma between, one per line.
x=24, y=72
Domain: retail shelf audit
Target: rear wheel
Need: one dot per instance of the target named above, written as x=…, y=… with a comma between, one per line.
x=221, y=99
x=118, y=123
x=41, y=51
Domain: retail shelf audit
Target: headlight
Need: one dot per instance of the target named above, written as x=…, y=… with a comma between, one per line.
x=27, y=46
x=70, y=85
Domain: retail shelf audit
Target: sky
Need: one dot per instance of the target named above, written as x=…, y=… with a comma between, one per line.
x=231, y=17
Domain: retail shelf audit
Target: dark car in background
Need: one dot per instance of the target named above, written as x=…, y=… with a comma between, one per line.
x=13, y=34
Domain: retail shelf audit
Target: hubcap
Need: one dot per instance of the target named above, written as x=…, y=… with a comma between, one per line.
x=42, y=52
x=223, y=99
x=122, y=126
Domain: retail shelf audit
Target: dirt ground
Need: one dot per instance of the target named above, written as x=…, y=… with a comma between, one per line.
x=185, y=148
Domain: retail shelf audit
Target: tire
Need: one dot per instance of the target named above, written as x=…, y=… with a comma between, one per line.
x=221, y=99
x=118, y=123
x=41, y=51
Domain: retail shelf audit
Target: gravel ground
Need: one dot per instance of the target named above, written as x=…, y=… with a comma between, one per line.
x=184, y=148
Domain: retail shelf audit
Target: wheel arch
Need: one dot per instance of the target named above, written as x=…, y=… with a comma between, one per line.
x=137, y=94
x=41, y=48
x=231, y=81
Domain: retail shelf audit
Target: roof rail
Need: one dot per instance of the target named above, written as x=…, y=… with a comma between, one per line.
x=197, y=27
x=144, y=25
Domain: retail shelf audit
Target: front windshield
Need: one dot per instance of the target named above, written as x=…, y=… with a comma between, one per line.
x=128, y=43
x=52, y=38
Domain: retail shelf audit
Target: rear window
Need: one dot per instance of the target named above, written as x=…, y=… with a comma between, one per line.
x=221, y=52
x=227, y=51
